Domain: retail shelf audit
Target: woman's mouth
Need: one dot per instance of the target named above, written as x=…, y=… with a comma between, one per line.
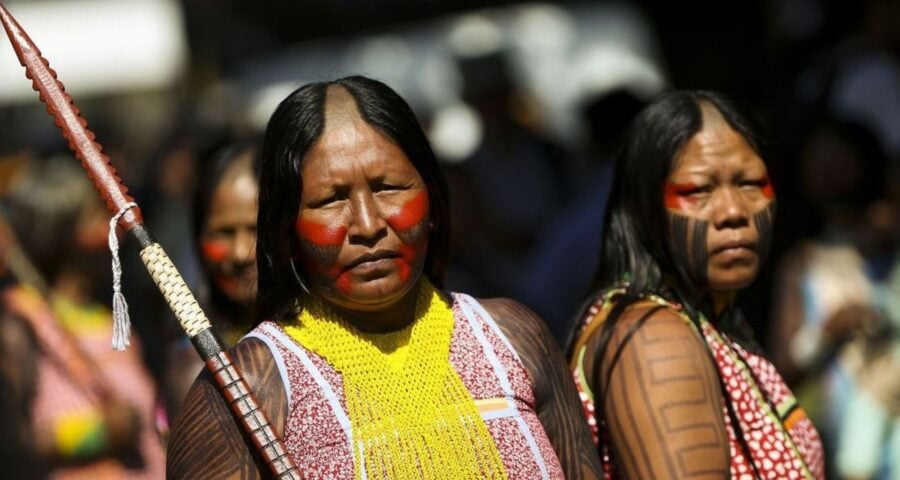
x=735, y=250
x=371, y=260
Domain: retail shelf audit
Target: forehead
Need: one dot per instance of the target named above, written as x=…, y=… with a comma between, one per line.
x=716, y=148
x=349, y=144
x=238, y=184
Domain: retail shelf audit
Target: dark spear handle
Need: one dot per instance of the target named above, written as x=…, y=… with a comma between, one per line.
x=182, y=302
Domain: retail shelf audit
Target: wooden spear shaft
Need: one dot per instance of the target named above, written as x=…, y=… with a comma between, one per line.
x=180, y=299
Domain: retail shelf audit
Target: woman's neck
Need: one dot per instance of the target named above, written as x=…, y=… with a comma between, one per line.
x=712, y=304
x=721, y=301
x=396, y=317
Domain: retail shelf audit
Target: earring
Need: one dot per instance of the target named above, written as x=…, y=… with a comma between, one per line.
x=297, y=277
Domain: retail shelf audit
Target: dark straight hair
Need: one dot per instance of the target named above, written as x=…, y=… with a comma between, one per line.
x=634, y=247
x=293, y=130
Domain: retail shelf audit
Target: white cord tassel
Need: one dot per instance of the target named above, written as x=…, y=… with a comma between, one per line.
x=121, y=337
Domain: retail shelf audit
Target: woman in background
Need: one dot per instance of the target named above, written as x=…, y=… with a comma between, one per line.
x=224, y=228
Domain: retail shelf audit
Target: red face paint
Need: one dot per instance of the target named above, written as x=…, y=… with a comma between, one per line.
x=768, y=190
x=411, y=213
x=675, y=195
x=215, y=252
x=324, y=243
x=342, y=279
x=322, y=235
x=405, y=261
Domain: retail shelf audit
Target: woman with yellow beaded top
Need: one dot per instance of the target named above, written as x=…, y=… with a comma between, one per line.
x=365, y=366
x=672, y=384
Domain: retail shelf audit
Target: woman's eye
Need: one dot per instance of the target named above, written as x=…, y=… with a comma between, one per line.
x=387, y=187
x=324, y=202
x=694, y=191
x=755, y=183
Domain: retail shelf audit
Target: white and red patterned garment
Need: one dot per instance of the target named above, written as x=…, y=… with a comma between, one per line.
x=59, y=394
x=775, y=439
x=318, y=433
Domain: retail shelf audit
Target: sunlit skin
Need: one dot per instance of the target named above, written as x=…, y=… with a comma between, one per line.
x=228, y=242
x=363, y=221
x=720, y=200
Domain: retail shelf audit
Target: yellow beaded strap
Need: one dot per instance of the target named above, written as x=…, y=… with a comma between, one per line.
x=412, y=417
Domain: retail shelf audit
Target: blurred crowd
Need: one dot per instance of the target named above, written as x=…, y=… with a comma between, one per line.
x=524, y=104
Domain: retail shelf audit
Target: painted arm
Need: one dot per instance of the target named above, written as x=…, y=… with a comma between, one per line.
x=556, y=399
x=664, y=404
x=206, y=441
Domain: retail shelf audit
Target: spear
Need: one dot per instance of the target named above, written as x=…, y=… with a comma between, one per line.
x=127, y=215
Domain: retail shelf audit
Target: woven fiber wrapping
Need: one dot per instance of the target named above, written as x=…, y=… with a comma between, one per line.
x=175, y=291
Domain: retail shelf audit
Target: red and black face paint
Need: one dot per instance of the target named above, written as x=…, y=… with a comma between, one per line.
x=687, y=236
x=688, y=247
x=410, y=223
x=765, y=218
x=322, y=245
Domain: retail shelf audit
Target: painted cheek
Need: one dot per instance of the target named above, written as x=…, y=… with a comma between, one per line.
x=321, y=235
x=342, y=279
x=768, y=190
x=675, y=195
x=407, y=218
x=410, y=214
x=688, y=245
x=215, y=252
x=405, y=261
x=323, y=245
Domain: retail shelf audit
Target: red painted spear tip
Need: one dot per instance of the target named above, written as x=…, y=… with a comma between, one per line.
x=73, y=126
x=9, y=23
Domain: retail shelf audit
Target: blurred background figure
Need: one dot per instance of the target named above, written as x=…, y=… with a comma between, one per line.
x=82, y=409
x=513, y=181
x=224, y=228
x=833, y=329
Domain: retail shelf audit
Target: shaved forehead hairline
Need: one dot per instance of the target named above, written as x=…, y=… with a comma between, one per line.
x=710, y=116
x=340, y=106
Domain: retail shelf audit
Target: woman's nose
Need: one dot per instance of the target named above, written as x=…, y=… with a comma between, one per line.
x=245, y=245
x=731, y=210
x=368, y=224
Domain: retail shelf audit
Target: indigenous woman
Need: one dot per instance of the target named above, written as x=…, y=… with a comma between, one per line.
x=224, y=221
x=362, y=362
x=672, y=384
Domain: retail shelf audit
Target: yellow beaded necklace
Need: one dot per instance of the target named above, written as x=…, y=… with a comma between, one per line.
x=412, y=417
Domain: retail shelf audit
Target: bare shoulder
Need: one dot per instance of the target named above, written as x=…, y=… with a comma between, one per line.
x=207, y=441
x=648, y=326
x=515, y=319
x=555, y=396
x=661, y=397
x=533, y=342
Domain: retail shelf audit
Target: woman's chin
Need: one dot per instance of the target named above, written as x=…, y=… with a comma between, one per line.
x=731, y=283
x=371, y=295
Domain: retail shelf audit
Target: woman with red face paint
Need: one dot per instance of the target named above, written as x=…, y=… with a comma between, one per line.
x=363, y=363
x=672, y=383
x=224, y=227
